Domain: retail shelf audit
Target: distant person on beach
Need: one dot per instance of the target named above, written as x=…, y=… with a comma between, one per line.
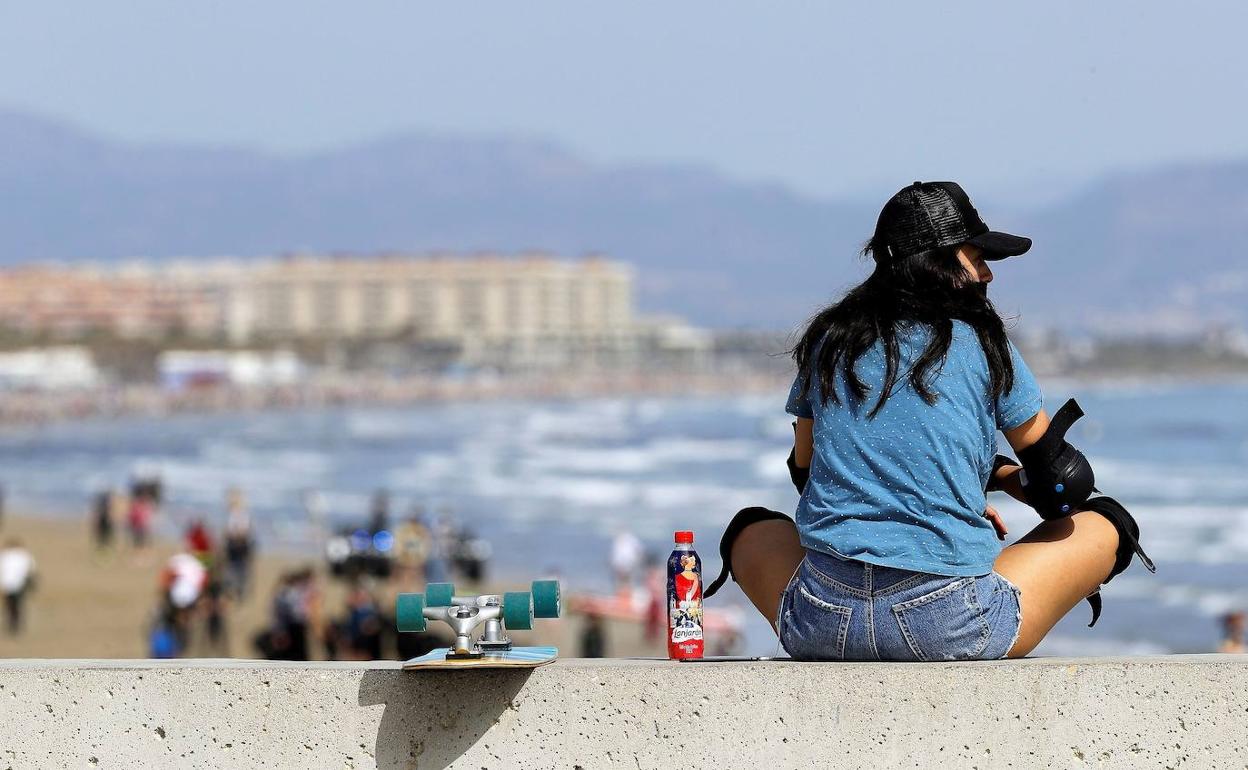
x=901, y=387
x=441, y=546
x=358, y=634
x=199, y=541
x=627, y=552
x=17, y=577
x=1233, y=633
x=103, y=510
x=379, y=512
x=655, y=580
x=472, y=555
x=293, y=618
x=239, y=545
x=412, y=542
x=214, y=605
x=593, y=637
x=139, y=519
x=183, y=579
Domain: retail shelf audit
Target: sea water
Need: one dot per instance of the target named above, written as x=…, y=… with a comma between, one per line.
x=555, y=480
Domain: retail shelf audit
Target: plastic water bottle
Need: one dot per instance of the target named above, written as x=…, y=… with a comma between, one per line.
x=684, y=600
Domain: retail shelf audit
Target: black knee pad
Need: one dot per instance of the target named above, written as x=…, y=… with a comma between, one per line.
x=744, y=518
x=1128, y=543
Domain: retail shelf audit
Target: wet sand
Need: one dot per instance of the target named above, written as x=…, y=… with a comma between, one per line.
x=93, y=604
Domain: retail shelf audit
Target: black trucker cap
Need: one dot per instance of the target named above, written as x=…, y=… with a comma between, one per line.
x=928, y=215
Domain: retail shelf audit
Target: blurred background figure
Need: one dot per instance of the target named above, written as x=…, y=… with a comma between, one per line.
x=183, y=580
x=199, y=541
x=316, y=511
x=472, y=555
x=379, y=512
x=214, y=606
x=593, y=637
x=358, y=634
x=726, y=643
x=656, y=598
x=239, y=544
x=294, y=618
x=162, y=636
x=442, y=546
x=17, y=577
x=626, y=556
x=1233, y=633
x=412, y=543
x=145, y=495
x=104, y=508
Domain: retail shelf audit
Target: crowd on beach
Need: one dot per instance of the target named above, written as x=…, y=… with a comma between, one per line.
x=200, y=584
x=374, y=561
x=208, y=602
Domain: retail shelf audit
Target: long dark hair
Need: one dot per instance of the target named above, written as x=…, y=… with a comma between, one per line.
x=930, y=288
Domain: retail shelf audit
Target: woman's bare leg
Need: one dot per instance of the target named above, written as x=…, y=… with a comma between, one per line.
x=764, y=558
x=1056, y=566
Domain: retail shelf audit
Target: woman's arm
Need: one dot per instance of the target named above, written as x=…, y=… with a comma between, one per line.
x=1029, y=432
x=1006, y=478
x=804, y=441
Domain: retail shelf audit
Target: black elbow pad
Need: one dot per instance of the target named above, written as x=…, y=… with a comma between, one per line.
x=998, y=462
x=799, y=475
x=1056, y=477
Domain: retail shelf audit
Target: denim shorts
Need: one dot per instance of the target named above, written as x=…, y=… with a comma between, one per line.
x=843, y=609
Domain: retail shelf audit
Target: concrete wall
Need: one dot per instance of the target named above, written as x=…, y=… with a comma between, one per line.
x=1189, y=711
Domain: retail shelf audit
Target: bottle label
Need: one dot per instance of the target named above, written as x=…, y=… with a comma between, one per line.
x=684, y=605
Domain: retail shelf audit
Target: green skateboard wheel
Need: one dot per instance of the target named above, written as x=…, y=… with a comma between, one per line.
x=439, y=594
x=546, y=599
x=518, y=610
x=409, y=612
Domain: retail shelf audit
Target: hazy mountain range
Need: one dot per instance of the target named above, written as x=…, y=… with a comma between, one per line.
x=1155, y=250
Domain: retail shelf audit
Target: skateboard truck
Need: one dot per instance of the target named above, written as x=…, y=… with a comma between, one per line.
x=465, y=614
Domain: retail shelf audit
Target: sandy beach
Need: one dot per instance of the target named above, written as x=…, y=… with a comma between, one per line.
x=92, y=604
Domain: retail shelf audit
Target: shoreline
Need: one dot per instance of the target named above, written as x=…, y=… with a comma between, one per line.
x=35, y=408
x=42, y=408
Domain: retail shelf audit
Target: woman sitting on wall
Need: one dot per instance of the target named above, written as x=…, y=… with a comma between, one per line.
x=901, y=387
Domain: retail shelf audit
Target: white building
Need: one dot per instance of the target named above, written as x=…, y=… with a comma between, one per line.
x=185, y=369
x=58, y=368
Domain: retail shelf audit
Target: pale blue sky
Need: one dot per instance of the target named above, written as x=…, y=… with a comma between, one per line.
x=831, y=98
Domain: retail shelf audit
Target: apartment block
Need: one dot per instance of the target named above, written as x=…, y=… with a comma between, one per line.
x=530, y=309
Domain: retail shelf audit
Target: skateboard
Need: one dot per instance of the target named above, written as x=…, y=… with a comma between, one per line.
x=493, y=613
x=516, y=657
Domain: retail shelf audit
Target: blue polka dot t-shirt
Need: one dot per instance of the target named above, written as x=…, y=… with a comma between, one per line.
x=906, y=489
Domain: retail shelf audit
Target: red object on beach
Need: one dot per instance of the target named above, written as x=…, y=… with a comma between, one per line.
x=198, y=541
x=684, y=601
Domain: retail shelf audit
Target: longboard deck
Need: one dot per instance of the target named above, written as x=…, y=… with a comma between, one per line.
x=516, y=657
